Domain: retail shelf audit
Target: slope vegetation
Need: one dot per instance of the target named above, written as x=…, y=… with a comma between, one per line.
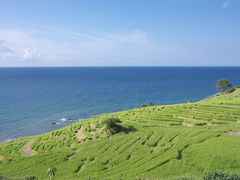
x=159, y=142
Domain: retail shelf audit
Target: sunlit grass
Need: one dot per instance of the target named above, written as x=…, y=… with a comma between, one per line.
x=186, y=140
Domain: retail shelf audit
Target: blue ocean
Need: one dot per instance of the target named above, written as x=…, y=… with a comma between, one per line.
x=31, y=99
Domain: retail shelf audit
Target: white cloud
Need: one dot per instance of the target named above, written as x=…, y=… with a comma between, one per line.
x=5, y=50
x=61, y=47
x=134, y=37
x=27, y=54
x=73, y=34
x=3, y=47
x=225, y=4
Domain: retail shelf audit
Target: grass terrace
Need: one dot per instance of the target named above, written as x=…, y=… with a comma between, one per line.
x=158, y=142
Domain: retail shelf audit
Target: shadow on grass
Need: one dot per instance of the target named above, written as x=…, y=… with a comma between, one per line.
x=128, y=129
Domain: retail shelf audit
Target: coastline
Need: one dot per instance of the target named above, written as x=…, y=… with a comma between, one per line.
x=157, y=133
x=74, y=120
x=45, y=95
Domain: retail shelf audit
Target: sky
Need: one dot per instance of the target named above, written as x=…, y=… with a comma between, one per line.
x=119, y=33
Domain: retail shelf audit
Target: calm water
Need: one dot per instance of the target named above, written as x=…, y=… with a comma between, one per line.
x=32, y=98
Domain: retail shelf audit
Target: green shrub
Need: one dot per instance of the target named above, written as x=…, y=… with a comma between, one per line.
x=221, y=176
x=2, y=178
x=229, y=91
x=97, y=125
x=30, y=178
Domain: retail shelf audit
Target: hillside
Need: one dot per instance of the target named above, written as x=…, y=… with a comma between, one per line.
x=159, y=142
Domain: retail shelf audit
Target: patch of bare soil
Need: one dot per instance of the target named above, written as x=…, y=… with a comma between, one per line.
x=92, y=126
x=80, y=134
x=186, y=118
x=187, y=124
x=28, y=151
x=233, y=133
x=72, y=145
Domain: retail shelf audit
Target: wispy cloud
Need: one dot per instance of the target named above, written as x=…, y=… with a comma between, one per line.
x=72, y=34
x=62, y=47
x=225, y=4
x=5, y=50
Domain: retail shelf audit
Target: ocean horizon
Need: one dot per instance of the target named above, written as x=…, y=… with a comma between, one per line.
x=32, y=99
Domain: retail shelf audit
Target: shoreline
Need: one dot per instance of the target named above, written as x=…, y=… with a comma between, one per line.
x=148, y=131
x=85, y=93
x=67, y=119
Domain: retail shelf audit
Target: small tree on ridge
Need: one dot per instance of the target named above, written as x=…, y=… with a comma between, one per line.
x=112, y=125
x=223, y=85
x=151, y=103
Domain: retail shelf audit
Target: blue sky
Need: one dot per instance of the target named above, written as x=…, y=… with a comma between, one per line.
x=120, y=33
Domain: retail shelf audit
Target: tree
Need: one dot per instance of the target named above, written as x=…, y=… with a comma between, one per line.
x=151, y=103
x=143, y=105
x=51, y=172
x=223, y=85
x=112, y=125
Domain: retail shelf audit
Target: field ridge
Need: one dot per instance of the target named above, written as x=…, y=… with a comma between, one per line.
x=158, y=142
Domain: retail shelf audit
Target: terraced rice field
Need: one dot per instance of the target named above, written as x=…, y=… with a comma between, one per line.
x=159, y=142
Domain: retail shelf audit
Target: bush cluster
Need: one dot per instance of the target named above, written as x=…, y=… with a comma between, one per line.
x=229, y=91
x=221, y=176
x=112, y=125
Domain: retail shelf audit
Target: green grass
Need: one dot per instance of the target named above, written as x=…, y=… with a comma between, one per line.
x=161, y=142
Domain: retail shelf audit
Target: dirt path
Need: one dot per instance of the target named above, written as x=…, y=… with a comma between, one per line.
x=28, y=151
x=80, y=135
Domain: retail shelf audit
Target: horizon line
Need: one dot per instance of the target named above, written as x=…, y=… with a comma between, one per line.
x=105, y=66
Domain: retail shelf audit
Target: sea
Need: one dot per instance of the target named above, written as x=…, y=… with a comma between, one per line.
x=36, y=100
